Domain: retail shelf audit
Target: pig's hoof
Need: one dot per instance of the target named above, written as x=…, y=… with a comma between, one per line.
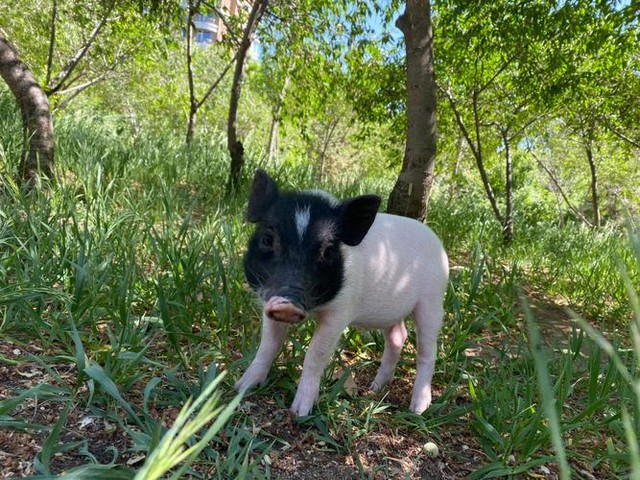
x=300, y=410
x=250, y=380
x=302, y=405
x=380, y=382
x=419, y=405
x=376, y=386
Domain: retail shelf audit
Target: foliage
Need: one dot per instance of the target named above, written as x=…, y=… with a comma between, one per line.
x=72, y=46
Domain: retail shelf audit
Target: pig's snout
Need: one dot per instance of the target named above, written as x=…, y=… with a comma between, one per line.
x=284, y=310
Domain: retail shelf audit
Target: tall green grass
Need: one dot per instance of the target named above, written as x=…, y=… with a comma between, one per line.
x=128, y=269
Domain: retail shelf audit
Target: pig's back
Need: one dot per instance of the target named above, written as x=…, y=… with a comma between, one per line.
x=399, y=262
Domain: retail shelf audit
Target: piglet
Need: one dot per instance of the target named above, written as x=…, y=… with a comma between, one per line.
x=348, y=265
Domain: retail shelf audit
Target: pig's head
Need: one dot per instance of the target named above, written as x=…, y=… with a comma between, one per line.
x=294, y=260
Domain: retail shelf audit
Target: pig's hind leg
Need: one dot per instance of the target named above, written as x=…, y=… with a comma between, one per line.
x=428, y=319
x=273, y=335
x=394, y=338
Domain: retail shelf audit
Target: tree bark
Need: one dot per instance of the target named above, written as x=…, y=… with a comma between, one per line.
x=594, y=185
x=236, y=149
x=507, y=224
x=410, y=194
x=275, y=122
x=193, y=109
x=37, y=124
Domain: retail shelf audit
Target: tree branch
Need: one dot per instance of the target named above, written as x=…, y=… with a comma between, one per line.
x=77, y=89
x=622, y=136
x=502, y=68
x=52, y=41
x=214, y=85
x=476, y=150
x=460, y=121
x=59, y=82
x=557, y=185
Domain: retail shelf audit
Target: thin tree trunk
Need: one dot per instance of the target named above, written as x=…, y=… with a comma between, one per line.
x=480, y=162
x=594, y=185
x=37, y=124
x=507, y=225
x=456, y=169
x=560, y=191
x=331, y=128
x=62, y=79
x=476, y=149
x=193, y=110
x=274, y=133
x=52, y=41
x=236, y=149
x=275, y=122
x=410, y=194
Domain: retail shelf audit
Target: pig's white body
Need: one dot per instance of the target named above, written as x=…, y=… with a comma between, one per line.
x=400, y=268
x=398, y=264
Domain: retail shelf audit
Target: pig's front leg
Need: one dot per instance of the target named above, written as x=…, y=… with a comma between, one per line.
x=321, y=348
x=273, y=335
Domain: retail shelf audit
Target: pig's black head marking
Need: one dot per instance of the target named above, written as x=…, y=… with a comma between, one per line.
x=295, y=253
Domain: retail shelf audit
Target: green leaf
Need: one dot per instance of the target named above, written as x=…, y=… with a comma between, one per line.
x=96, y=372
x=50, y=446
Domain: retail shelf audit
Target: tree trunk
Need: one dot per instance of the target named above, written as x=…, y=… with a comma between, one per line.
x=456, y=169
x=193, y=109
x=594, y=185
x=37, y=124
x=274, y=134
x=476, y=150
x=409, y=196
x=507, y=224
x=558, y=189
x=326, y=142
x=275, y=122
x=236, y=149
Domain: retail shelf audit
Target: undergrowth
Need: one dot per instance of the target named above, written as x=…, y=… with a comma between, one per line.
x=127, y=270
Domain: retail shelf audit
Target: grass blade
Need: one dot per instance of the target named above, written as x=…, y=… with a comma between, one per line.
x=96, y=372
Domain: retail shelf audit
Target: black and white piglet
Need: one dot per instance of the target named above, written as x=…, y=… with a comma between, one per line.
x=347, y=265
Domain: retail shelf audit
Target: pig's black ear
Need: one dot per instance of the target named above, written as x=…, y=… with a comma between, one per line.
x=264, y=192
x=357, y=216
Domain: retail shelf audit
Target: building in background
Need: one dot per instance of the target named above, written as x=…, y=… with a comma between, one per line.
x=209, y=28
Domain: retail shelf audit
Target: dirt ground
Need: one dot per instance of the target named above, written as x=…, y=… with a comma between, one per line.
x=385, y=452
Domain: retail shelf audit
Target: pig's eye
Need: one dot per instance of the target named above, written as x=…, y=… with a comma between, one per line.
x=327, y=253
x=267, y=242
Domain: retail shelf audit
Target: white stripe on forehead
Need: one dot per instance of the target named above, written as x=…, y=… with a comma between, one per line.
x=302, y=215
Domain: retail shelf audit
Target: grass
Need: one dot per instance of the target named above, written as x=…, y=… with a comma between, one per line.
x=127, y=277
